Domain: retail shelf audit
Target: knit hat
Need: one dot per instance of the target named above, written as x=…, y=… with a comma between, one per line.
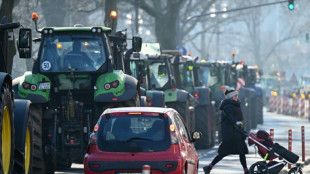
x=230, y=93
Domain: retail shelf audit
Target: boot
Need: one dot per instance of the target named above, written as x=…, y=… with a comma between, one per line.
x=207, y=169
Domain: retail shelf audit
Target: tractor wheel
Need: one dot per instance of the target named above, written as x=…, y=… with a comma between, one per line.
x=183, y=110
x=7, y=130
x=202, y=125
x=259, y=111
x=35, y=132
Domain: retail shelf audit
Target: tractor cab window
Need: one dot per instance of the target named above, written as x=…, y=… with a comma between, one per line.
x=72, y=52
x=158, y=74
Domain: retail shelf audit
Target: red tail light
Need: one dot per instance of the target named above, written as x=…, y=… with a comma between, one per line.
x=173, y=135
x=26, y=85
x=114, y=84
x=237, y=89
x=196, y=95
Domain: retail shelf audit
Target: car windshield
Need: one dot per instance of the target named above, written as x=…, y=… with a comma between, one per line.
x=140, y=133
x=158, y=74
x=63, y=52
x=205, y=77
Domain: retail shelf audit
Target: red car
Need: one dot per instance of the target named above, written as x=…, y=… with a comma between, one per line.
x=125, y=139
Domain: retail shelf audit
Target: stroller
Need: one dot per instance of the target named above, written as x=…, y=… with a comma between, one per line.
x=270, y=151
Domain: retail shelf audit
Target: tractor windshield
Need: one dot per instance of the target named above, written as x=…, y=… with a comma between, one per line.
x=205, y=77
x=187, y=75
x=80, y=52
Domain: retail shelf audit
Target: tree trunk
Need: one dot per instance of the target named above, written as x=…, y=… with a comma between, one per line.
x=6, y=10
x=54, y=12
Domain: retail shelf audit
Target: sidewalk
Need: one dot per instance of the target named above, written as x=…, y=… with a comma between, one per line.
x=281, y=124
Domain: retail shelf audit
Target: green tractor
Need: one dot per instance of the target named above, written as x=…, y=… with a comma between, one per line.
x=17, y=124
x=77, y=75
x=161, y=77
x=209, y=74
x=136, y=64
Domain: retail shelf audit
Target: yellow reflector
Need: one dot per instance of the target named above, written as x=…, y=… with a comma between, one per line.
x=303, y=96
x=294, y=95
x=172, y=128
x=203, y=60
x=85, y=43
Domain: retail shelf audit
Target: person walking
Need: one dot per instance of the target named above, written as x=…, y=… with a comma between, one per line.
x=232, y=139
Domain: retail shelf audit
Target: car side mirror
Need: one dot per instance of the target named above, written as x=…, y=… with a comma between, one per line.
x=196, y=136
x=24, y=43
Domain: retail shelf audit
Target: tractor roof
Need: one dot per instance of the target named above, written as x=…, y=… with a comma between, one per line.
x=57, y=29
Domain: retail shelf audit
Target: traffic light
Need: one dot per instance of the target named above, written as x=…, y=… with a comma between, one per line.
x=291, y=5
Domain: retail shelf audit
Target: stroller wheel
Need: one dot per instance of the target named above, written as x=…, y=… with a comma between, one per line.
x=295, y=170
x=259, y=168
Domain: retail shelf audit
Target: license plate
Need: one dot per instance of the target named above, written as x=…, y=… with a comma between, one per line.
x=44, y=86
x=127, y=173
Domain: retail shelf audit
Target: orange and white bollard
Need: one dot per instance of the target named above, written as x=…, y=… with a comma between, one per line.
x=272, y=134
x=289, y=143
x=303, y=143
x=146, y=169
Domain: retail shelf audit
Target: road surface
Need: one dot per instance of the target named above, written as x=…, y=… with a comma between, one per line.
x=231, y=165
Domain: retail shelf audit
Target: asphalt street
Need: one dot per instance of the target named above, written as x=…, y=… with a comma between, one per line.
x=231, y=165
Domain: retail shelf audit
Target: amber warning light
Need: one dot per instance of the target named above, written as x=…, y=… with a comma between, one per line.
x=35, y=16
x=113, y=14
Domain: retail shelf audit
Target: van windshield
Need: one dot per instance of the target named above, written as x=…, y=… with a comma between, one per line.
x=134, y=134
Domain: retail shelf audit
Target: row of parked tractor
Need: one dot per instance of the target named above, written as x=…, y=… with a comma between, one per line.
x=81, y=71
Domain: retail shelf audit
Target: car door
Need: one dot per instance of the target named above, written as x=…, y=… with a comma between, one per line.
x=187, y=146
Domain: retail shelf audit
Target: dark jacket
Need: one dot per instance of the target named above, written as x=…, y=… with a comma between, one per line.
x=232, y=140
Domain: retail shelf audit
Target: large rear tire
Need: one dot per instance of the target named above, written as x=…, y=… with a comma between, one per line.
x=35, y=116
x=6, y=130
x=202, y=125
x=183, y=110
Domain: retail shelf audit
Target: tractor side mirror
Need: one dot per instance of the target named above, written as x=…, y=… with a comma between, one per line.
x=24, y=43
x=136, y=44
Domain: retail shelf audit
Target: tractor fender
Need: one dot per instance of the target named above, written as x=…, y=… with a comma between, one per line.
x=5, y=77
x=38, y=95
x=204, y=95
x=130, y=90
x=157, y=98
x=177, y=95
x=21, y=114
